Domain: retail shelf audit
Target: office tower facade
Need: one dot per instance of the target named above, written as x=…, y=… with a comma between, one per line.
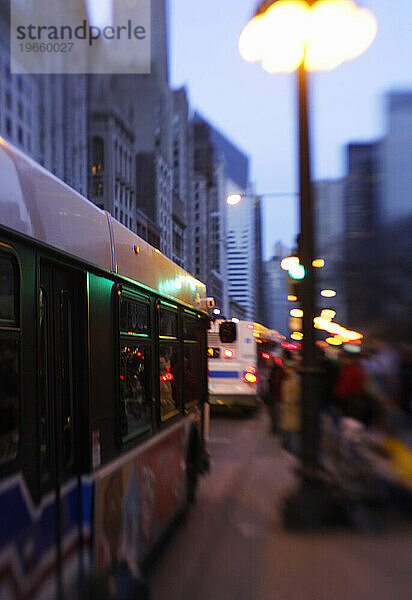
x=396, y=152
x=330, y=237
x=241, y=252
x=182, y=149
x=230, y=234
x=135, y=113
x=234, y=228
x=206, y=219
x=274, y=291
x=361, y=252
x=111, y=153
x=394, y=217
x=45, y=115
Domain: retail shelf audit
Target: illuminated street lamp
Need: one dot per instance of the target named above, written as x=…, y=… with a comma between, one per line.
x=328, y=293
x=285, y=36
x=233, y=199
x=289, y=263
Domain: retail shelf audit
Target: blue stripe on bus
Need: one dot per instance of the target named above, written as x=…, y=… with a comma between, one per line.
x=224, y=374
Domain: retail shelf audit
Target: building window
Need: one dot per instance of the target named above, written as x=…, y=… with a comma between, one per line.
x=98, y=188
x=98, y=155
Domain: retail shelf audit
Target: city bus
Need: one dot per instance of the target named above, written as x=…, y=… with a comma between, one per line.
x=240, y=358
x=103, y=381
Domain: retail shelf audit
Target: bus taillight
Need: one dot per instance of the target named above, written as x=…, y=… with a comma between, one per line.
x=250, y=377
x=265, y=355
x=228, y=353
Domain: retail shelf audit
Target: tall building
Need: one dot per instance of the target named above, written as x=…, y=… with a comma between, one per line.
x=241, y=252
x=182, y=148
x=275, y=291
x=206, y=218
x=330, y=228
x=361, y=253
x=396, y=152
x=235, y=239
x=259, y=294
x=135, y=112
x=112, y=175
x=45, y=115
x=395, y=219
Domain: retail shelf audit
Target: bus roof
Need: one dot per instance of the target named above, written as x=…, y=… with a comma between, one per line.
x=37, y=204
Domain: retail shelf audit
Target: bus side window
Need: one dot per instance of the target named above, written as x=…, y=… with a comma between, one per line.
x=135, y=367
x=9, y=360
x=44, y=417
x=169, y=362
x=191, y=362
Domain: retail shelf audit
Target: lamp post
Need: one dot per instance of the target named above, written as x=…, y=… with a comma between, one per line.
x=298, y=35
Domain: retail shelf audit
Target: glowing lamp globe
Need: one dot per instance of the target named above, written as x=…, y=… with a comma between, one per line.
x=322, y=34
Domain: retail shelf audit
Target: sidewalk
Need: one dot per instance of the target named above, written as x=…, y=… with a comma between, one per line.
x=233, y=544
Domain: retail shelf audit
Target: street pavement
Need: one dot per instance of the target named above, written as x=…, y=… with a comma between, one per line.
x=233, y=546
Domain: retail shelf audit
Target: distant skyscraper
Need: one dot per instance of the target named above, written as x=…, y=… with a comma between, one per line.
x=182, y=176
x=241, y=245
x=330, y=235
x=259, y=292
x=395, y=199
x=206, y=216
x=361, y=253
x=275, y=291
x=394, y=240
x=233, y=229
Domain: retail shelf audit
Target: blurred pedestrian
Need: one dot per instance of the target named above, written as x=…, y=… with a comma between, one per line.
x=350, y=389
x=275, y=380
x=290, y=421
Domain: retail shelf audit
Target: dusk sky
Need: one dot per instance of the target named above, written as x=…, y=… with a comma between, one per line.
x=257, y=111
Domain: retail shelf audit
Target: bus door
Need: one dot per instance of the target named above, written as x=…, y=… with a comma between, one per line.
x=62, y=394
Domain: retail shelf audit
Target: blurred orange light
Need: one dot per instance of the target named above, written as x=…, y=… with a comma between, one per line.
x=319, y=262
x=228, y=353
x=334, y=341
